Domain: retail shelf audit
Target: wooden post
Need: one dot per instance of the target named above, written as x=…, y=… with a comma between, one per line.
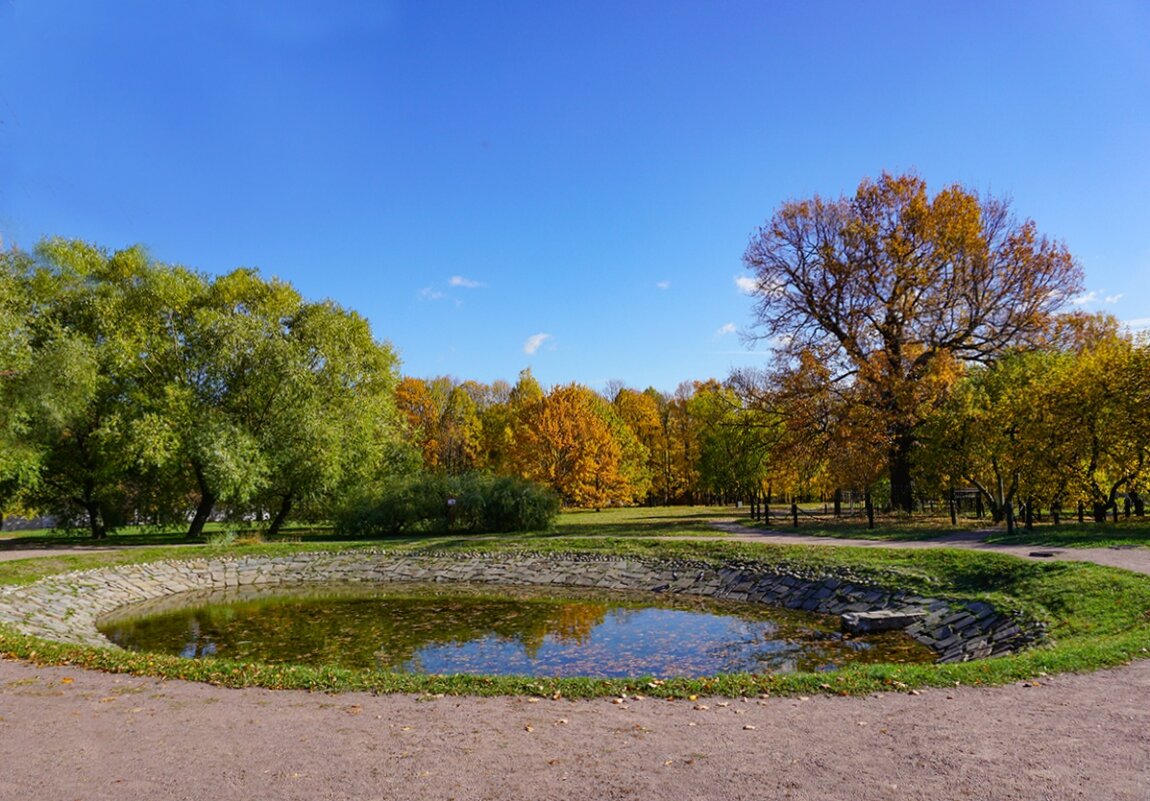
x=953, y=510
x=869, y=509
x=1056, y=511
x=1081, y=512
x=795, y=513
x=1029, y=514
x=767, y=511
x=1009, y=517
x=838, y=503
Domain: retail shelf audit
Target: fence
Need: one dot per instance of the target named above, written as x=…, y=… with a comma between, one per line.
x=967, y=504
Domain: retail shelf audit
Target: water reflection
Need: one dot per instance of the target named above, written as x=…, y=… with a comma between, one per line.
x=480, y=629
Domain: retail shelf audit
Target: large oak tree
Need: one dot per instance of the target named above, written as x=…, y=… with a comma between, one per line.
x=895, y=290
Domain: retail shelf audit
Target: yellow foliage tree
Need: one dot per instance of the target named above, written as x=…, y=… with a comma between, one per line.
x=564, y=441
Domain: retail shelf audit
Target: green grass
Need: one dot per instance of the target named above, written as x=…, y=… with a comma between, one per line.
x=642, y=521
x=1096, y=616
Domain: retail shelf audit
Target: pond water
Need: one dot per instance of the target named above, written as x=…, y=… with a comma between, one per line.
x=456, y=628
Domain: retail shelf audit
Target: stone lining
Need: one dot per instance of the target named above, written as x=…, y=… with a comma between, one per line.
x=67, y=607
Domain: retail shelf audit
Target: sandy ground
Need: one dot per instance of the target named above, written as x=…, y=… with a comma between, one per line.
x=78, y=735
x=72, y=734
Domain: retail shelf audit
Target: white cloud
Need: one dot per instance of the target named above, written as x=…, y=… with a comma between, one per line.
x=1112, y=299
x=535, y=342
x=466, y=283
x=1138, y=324
x=729, y=328
x=663, y=284
x=430, y=293
x=1084, y=298
x=746, y=284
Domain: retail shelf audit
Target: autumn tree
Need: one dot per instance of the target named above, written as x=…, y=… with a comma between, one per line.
x=492, y=404
x=421, y=411
x=640, y=412
x=443, y=420
x=894, y=291
x=565, y=440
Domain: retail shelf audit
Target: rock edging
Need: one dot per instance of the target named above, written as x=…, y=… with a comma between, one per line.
x=67, y=607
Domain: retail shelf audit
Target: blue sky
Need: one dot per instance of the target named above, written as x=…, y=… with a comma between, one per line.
x=565, y=186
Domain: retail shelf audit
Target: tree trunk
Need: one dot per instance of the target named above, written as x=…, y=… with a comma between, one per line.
x=95, y=522
x=203, y=508
x=281, y=516
x=203, y=512
x=1139, y=504
x=92, y=509
x=901, y=489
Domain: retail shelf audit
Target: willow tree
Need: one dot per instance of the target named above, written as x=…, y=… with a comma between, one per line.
x=894, y=291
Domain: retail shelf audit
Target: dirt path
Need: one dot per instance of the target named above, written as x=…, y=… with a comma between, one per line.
x=67, y=733
x=72, y=734
x=1130, y=558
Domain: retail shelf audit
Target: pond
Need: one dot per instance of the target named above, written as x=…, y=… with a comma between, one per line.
x=481, y=629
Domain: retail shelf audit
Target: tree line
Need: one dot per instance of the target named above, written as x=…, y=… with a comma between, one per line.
x=922, y=345
x=1043, y=427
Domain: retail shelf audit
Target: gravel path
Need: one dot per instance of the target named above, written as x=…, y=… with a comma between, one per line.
x=67, y=733
x=1128, y=557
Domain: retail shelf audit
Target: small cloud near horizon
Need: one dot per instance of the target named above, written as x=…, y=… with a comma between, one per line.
x=430, y=293
x=535, y=342
x=729, y=328
x=466, y=283
x=663, y=284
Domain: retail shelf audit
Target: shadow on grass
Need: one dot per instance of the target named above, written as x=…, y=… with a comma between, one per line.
x=1131, y=533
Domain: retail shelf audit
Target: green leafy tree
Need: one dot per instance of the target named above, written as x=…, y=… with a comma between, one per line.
x=999, y=432
x=90, y=322
x=1101, y=407
x=332, y=423
x=735, y=442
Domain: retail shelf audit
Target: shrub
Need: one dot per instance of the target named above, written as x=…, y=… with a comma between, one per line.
x=483, y=504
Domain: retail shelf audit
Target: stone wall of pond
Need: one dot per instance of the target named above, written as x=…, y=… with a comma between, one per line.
x=67, y=607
